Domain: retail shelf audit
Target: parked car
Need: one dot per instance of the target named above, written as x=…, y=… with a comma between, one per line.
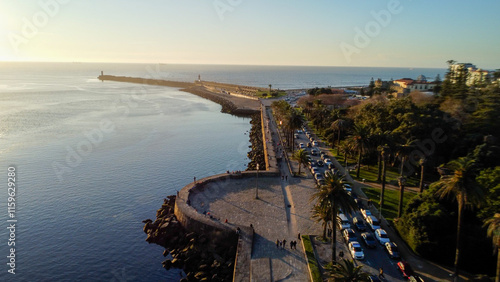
x=314, y=170
x=323, y=155
x=343, y=222
x=347, y=187
x=315, y=143
x=296, y=136
x=320, y=163
x=314, y=152
x=382, y=236
x=366, y=213
x=373, y=278
x=327, y=161
x=373, y=222
x=321, y=182
x=392, y=250
x=299, y=131
x=359, y=224
x=312, y=163
x=331, y=166
x=302, y=146
x=369, y=240
x=318, y=176
x=405, y=269
x=415, y=278
x=349, y=235
x=309, y=145
x=356, y=250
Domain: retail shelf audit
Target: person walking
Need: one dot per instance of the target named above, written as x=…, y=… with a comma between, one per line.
x=277, y=243
x=284, y=243
x=381, y=273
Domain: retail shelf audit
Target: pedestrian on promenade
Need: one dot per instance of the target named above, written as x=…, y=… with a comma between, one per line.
x=282, y=177
x=280, y=243
x=286, y=177
x=381, y=273
x=341, y=254
x=277, y=243
x=194, y=180
x=298, y=236
x=284, y=243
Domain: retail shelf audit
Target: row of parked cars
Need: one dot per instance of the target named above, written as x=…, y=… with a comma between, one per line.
x=370, y=241
x=363, y=223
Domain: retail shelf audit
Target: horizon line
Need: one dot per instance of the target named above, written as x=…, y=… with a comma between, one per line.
x=217, y=64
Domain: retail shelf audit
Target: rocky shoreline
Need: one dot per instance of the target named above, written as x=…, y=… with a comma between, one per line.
x=202, y=258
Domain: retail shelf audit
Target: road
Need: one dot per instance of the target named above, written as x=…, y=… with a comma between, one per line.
x=374, y=258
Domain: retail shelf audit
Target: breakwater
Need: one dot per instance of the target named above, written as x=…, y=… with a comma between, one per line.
x=231, y=104
x=149, y=81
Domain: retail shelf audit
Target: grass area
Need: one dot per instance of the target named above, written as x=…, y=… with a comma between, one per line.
x=311, y=259
x=391, y=200
x=265, y=94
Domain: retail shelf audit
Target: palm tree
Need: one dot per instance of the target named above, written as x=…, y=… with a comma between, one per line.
x=270, y=90
x=346, y=271
x=494, y=232
x=360, y=139
x=422, y=163
x=403, y=152
x=322, y=214
x=293, y=121
x=385, y=151
x=339, y=125
x=301, y=157
x=346, y=149
x=460, y=183
x=333, y=196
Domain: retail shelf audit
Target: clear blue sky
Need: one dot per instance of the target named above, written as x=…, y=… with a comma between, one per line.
x=281, y=32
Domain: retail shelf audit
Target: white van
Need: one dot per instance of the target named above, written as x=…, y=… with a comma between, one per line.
x=343, y=222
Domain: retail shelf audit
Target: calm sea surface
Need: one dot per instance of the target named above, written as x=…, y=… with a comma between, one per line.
x=94, y=159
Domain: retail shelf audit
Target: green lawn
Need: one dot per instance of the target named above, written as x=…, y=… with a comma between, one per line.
x=391, y=200
x=265, y=94
x=311, y=259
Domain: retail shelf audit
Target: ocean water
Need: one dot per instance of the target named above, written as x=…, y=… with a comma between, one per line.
x=93, y=159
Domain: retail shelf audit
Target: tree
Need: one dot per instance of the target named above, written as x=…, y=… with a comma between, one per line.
x=301, y=157
x=403, y=152
x=270, y=89
x=323, y=215
x=494, y=232
x=293, y=122
x=460, y=183
x=422, y=163
x=360, y=139
x=345, y=271
x=333, y=196
x=384, y=152
x=339, y=125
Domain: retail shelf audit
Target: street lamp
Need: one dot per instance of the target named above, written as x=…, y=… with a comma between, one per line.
x=401, y=182
x=257, y=184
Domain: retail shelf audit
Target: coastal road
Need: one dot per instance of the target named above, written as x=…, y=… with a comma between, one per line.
x=374, y=258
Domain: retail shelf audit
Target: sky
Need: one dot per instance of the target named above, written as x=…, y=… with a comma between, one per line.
x=388, y=33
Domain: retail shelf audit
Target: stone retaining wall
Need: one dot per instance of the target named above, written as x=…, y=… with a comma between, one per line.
x=193, y=221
